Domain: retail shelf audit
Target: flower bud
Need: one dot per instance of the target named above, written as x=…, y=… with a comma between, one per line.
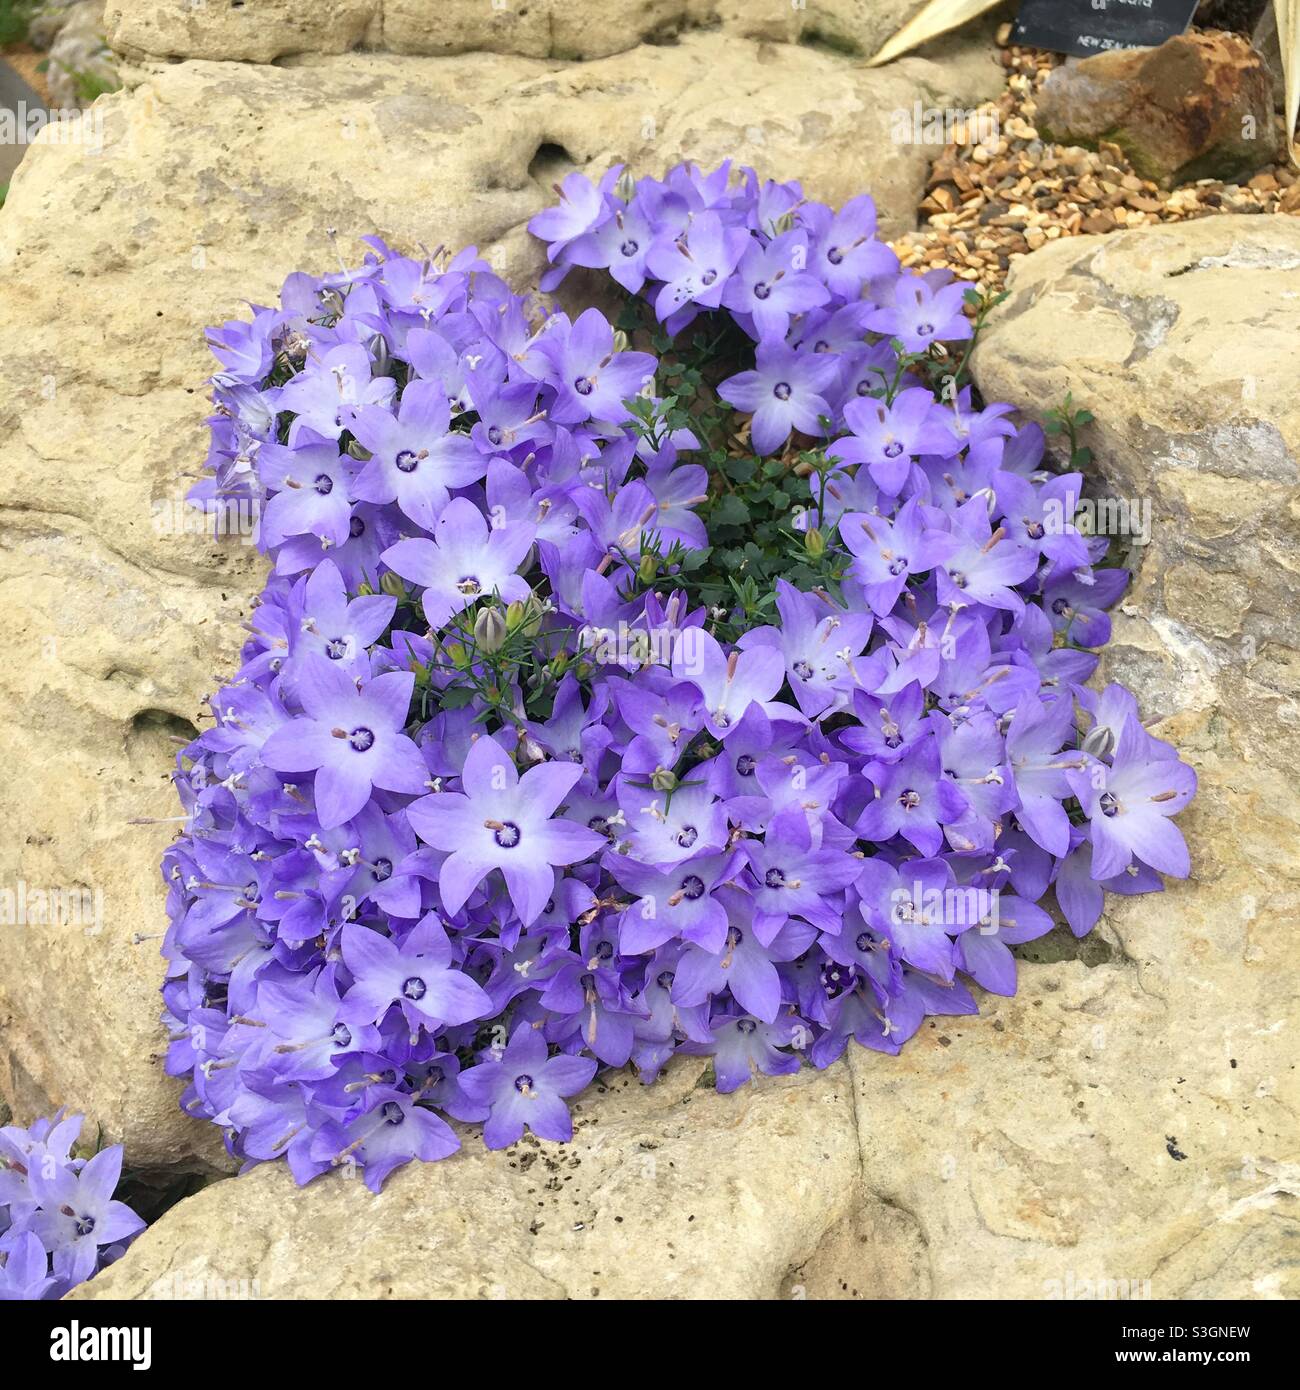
x=663, y=779
x=489, y=630
x=457, y=654
x=625, y=188
x=648, y=567
x=393, y=585
x=814, y=542
x=620, y=340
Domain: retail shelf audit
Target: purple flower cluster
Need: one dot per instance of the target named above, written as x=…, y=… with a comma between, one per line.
x=490, y=805
x=59, y=1224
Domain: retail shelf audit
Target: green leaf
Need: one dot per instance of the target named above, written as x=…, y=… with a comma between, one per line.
x=731, y=511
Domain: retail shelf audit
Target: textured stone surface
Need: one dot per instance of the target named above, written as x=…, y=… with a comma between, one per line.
x=263, y=30
x=1198, y=106
x=213, y=182
x=668, y=1191
x=1181, y=339
x=258, y=31
x=1025, y=1154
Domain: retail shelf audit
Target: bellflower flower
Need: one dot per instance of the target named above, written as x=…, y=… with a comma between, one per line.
x=524, y=1088
x=500, y=820
x=350, y=738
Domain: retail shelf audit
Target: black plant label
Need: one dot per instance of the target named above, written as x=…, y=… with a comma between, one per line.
x=1085, y=27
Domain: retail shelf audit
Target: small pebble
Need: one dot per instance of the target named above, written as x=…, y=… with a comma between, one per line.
x=1019, y=191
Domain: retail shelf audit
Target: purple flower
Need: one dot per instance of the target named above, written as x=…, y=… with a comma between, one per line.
x=887, y=554
x=414, y=461
x=1042, y=761
x=771, y=284
x=845, y=251
x=500, y=820
x=913, y=799
x=666, y=830
x=78, y=1215
x=914, y=905
x=728, y=685
x=593, y=380
x=526, y=1088
x=335, y=627
x=819, y=643
x=983, y=953
x=323, y=395
x=920, y=315
x=785, y=391
x=793, y=877
x=695, y=265
x=419, y=976
x=580, y=207
x=1129, y=803
x=1076, y=604
x=25, y=1272
x=744, y=1047
x=311, y=484
x=678, y=903
x=392, y=1131
x=888, y=438
x=982, y=564
x=743, y=965
x=620, y=245
x=351, y=738
x=465, y=561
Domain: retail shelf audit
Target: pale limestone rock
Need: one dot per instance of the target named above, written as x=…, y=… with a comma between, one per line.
x=213, y=181
x=1025, y=1154
x=1181, y=342
x=262, y=31
x=668, y=1191
x=256, y=31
